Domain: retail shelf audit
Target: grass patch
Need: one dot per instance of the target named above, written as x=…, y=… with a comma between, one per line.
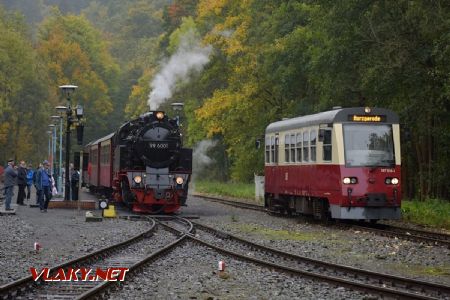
x=432, y=212
x=230, y=189
x=428, y=271
x=274, y=234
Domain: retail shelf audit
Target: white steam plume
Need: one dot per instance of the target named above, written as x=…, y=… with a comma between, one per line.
x=189, y=56
x=200, y=159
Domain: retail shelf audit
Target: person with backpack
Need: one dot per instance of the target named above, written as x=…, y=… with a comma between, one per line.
x=30, y=176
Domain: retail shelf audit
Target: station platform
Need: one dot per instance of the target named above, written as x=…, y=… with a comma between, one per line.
x=87, y=201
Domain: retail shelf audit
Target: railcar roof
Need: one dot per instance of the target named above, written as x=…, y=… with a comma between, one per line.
x=109, y=136
x=327, y=117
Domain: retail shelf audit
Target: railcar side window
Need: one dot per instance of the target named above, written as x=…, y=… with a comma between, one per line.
x=306, y=146
x=286, y=147
x=299, y=147
x=313, y=145
x=327, y=146
x=276, y=149
x=292, y=147
x=272, y=147
x=267, y=149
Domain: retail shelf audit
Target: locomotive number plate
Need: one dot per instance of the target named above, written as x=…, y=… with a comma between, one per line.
x=158, y=145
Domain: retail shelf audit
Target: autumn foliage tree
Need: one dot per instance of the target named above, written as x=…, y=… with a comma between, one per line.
x=75, y=53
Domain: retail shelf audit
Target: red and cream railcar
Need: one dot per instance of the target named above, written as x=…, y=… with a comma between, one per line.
x=343, y=164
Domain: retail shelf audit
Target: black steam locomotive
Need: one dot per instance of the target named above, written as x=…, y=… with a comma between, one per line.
x=143, y=164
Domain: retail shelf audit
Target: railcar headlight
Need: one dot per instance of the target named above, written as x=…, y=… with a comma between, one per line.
x=350, y=180
x=367, y=110
x=394, y=180
x=387, y=180
x=160, y=115
x=137, y=179
x=179, y=180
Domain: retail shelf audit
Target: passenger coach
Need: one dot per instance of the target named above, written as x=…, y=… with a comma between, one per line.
x=343, y=164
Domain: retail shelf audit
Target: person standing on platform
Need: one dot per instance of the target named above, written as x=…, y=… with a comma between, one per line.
x=74, y=180
x=10, y=182
x=43, y=186
x=35, y=182
x=21, y=182
x=30, y=176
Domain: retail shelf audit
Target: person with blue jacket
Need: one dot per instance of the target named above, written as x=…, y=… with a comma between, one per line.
x=30, y=176
x=43, y=185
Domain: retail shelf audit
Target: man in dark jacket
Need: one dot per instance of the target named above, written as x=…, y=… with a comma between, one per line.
x=10, y=182
x=43, y=186
x=21, y=182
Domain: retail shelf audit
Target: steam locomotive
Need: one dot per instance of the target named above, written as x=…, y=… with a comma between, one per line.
x=142, y=165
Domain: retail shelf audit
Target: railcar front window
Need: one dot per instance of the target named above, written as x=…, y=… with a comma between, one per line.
x=368, y=145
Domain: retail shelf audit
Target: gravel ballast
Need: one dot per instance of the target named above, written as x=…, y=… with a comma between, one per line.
x=190, y=272
x=63, y=235
x=348, y=247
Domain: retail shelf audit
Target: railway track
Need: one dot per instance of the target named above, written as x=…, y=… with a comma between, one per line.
x=421, y=236
x=129, y=254
x=367, y=281
x=433, y=238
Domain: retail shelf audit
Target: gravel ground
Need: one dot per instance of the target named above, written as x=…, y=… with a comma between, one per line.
x=348, y=247
x=63, y=234
x=189, y=272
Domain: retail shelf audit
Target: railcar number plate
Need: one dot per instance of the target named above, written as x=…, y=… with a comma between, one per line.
x=158, y=145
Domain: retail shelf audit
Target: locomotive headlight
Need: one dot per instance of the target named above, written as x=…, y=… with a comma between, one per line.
x=394, y=180
x=160, y=115
x=137, y=179
x=346, y=180
x=387, y=180
x=179, y=180
x=103, y=204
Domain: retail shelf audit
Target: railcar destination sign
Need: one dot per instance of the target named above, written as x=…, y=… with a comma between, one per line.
x=367, y=118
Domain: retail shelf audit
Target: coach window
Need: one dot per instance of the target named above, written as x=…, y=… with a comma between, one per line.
x=272, y=148
x=313, y=145
x=306, y=146
x=267, y=149
x=286, y=147
x=276, y=149
x=299, y=147
x=292, y=147
x=327, y=145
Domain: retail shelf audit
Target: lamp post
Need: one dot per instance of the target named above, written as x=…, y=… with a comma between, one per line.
x=60, y=120
x=49, y=143
x=68, y=91
x=53, y=148
x=177, y=107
